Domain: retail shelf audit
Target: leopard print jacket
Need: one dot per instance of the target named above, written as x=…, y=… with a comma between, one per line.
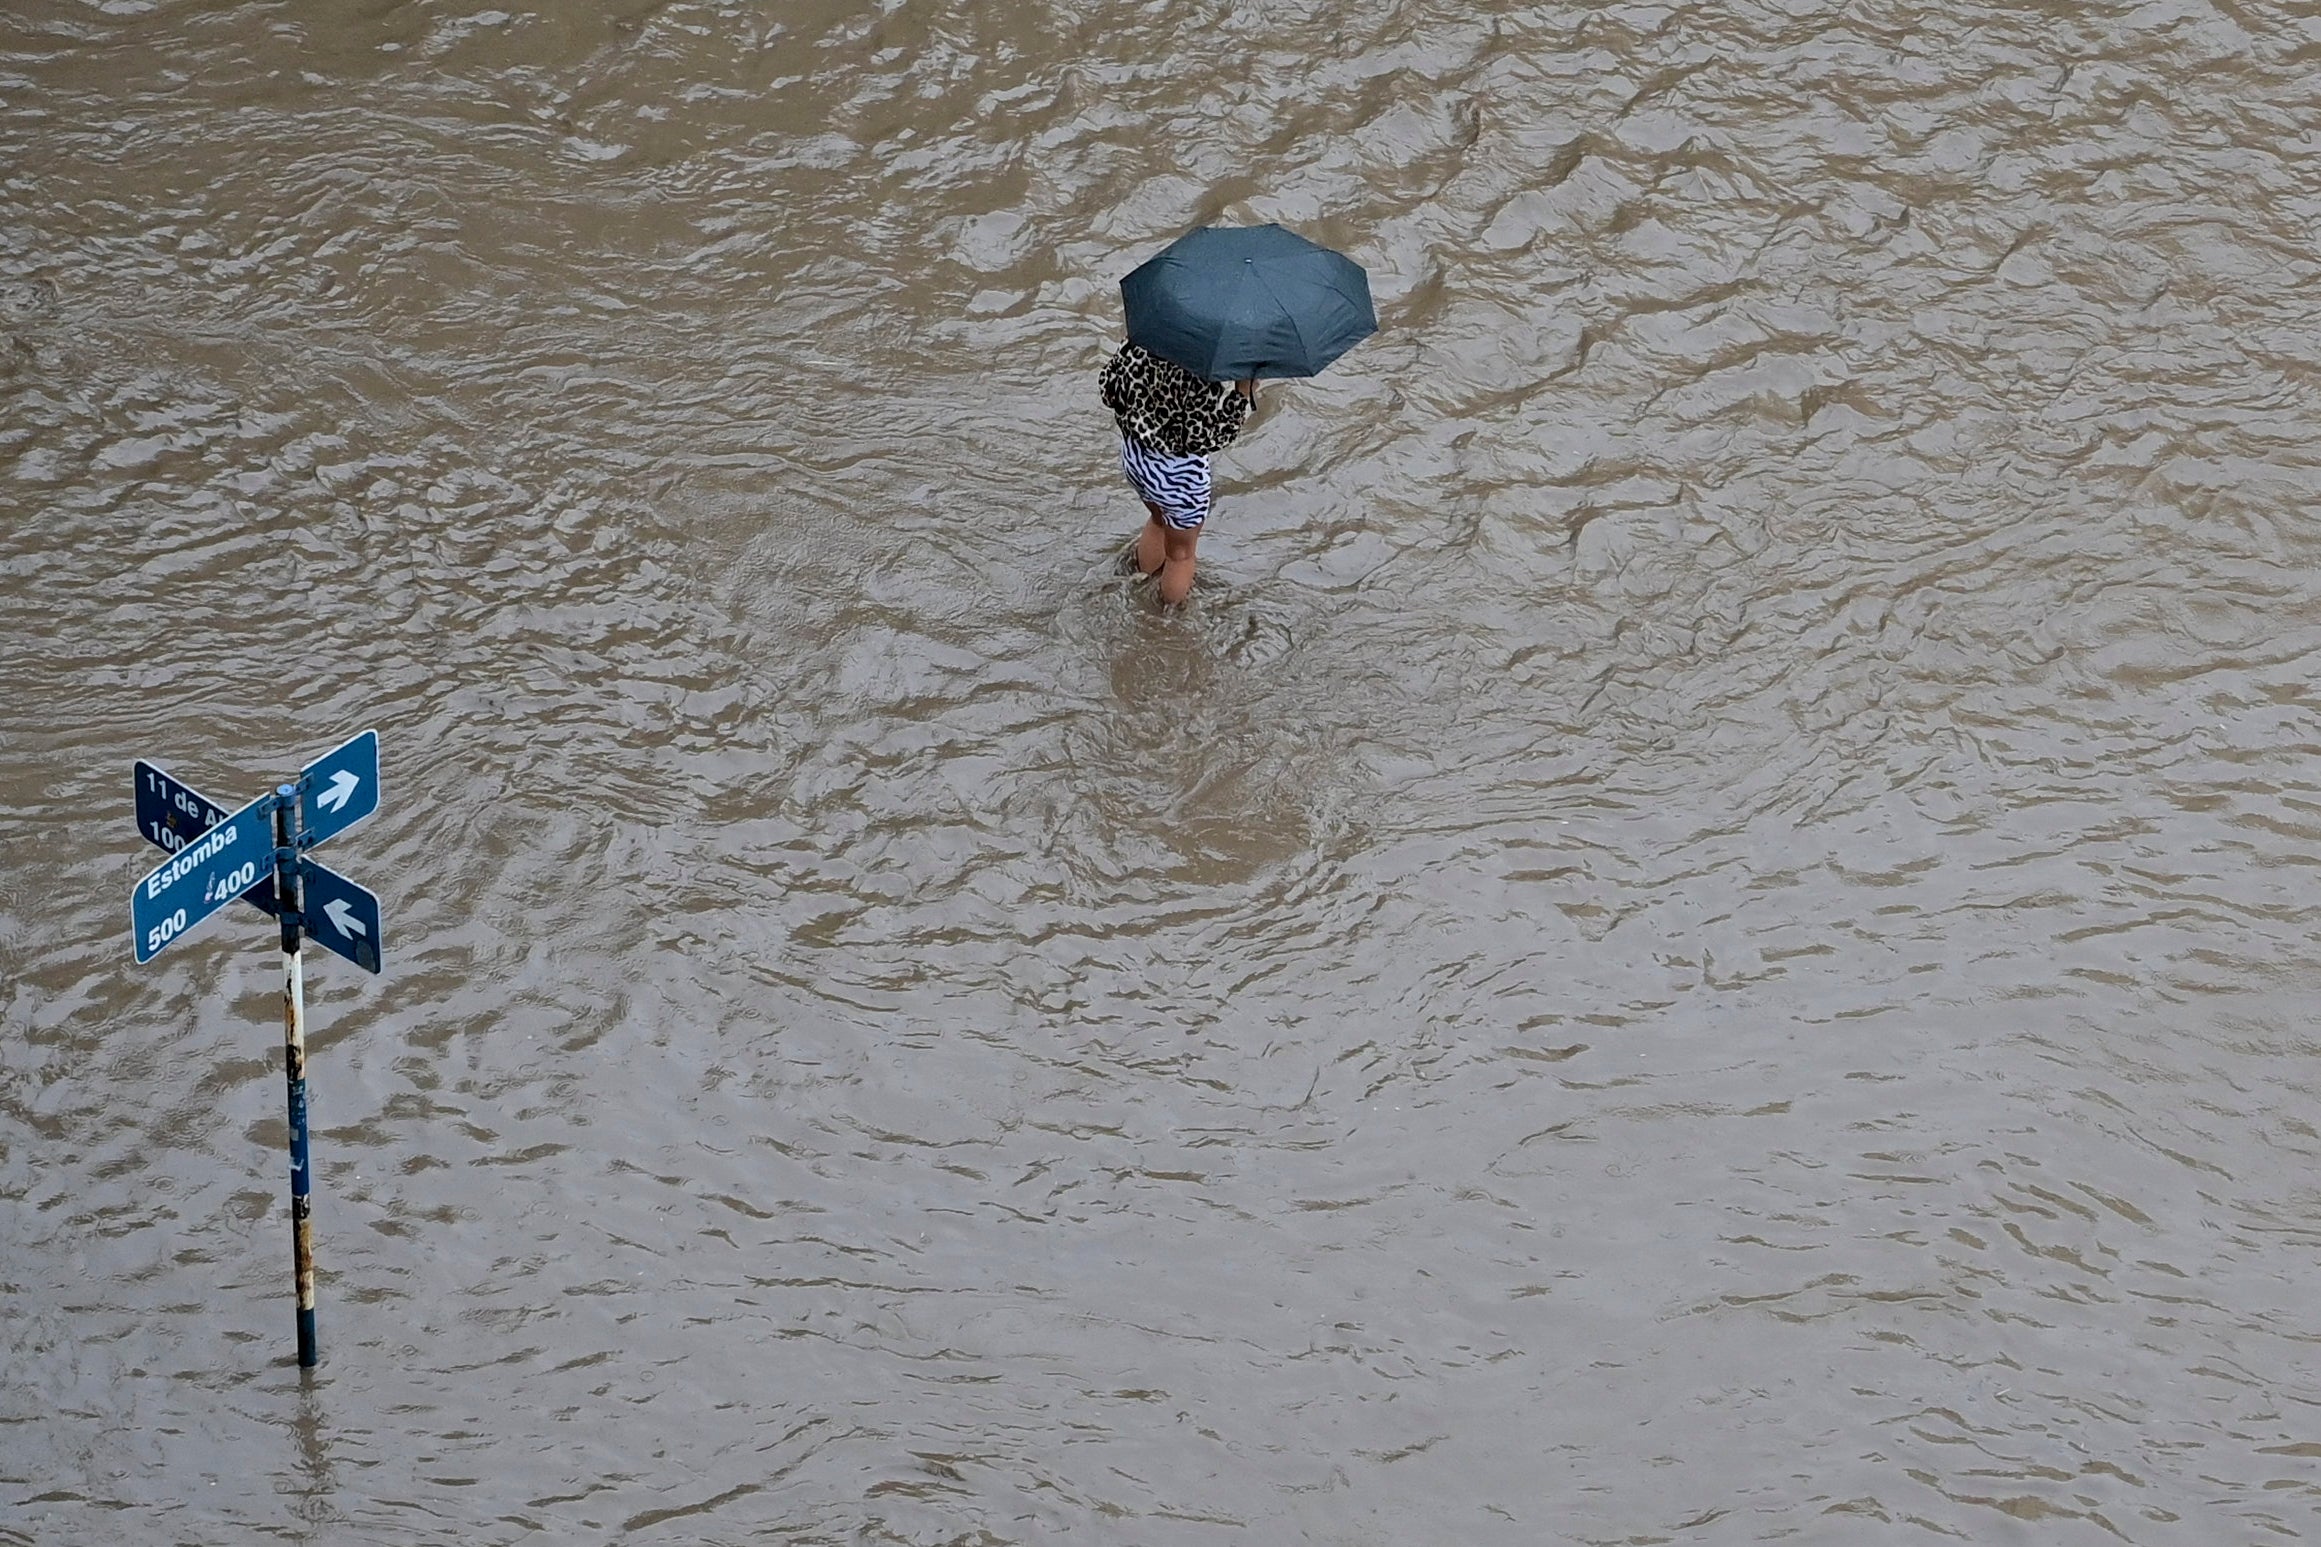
x=1160, y=404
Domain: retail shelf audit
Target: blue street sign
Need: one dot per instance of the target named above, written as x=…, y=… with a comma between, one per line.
x=202, y=877
x=171, y=815
x=339, y=915
x=339, y=789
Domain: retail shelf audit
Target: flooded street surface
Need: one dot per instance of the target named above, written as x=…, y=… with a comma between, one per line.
x=1705, y=933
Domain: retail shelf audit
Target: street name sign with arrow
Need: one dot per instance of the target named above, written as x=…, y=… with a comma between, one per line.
x=340, y=788
x=340, y=916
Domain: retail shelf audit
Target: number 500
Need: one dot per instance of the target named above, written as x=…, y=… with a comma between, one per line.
x=164, y=932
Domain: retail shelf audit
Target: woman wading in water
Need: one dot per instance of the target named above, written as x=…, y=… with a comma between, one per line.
x=1171, y=421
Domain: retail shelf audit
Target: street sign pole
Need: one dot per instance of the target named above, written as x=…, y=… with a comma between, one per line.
x=286, y=831
x=216, y=856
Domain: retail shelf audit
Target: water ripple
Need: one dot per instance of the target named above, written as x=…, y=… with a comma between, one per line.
x=1701, y=934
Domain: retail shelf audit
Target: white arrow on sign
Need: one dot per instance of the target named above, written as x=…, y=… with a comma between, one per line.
x=342, y=788
x=344, y=917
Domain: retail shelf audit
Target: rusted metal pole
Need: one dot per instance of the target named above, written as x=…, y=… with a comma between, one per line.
x=286, y=896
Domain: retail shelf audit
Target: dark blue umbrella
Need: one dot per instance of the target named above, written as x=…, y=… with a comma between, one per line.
x=1227, y=302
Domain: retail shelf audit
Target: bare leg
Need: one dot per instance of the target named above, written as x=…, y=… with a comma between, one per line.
x=1152, y=542
x=1176, y=576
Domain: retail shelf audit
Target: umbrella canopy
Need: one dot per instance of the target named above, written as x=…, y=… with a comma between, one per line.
x=1227, y=302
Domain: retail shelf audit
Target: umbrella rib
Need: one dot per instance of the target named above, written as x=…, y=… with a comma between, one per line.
x=1287, y=311
x=1217, y=350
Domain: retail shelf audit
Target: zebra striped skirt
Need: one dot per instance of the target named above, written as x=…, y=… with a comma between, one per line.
x=1176, y=486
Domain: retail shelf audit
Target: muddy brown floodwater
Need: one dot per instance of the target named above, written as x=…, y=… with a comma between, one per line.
x=1706, y=933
